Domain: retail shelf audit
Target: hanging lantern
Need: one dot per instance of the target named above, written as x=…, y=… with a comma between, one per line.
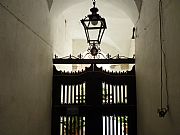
x=94, y=26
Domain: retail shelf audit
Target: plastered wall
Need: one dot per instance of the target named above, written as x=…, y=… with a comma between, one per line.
x=62, y=41
x=26, y=38
x=25, y=67
x=148, y=68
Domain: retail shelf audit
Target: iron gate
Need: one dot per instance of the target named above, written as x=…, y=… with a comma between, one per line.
x=94, y=102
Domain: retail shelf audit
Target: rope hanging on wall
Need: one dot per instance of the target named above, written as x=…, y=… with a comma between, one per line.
x=162, y=110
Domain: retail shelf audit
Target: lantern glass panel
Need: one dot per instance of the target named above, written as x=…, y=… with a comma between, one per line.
x=87, y=23
x=94, y=28
x=101, y=32
x=93, y=34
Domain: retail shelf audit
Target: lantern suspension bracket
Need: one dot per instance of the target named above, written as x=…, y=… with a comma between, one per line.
x=94, y=9
x=94, y=2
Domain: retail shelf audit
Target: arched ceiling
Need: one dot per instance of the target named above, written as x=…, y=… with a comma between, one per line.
x=128, y=6
x=119, y=14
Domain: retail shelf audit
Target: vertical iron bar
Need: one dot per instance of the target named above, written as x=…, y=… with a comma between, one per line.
x=66, y=125
x=67, y=94
x=74, y=125
x=71, y=101
x=109, y=125
x=64, y=94
x=120, y=125
x=113, y=125
x=74, y=94
x=109, y=93
x=116, y=93
x=82, y=93
x=117, y=125
x=124, y=125
x=61, y=100
x=70, y=125
x=59, y=96
x=78, y=118
x=124, y=93
x=82, y=125
x=120, y=93
x=78, y=93
x=105, y=95
x=112, y=94
x=105, y=125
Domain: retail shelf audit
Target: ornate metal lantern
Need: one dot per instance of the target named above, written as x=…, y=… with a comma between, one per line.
x=94, y=26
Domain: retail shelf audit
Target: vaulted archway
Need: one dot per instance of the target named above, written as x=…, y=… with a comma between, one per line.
x=120, y=16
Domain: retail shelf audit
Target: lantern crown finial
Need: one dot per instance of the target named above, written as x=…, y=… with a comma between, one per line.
x=94, y=10
x=94, y=3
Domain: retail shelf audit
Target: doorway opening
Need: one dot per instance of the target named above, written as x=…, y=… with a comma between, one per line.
x=92, y=100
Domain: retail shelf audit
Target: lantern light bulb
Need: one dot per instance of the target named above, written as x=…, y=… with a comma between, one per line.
x=94, y=23
x=94, y=20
